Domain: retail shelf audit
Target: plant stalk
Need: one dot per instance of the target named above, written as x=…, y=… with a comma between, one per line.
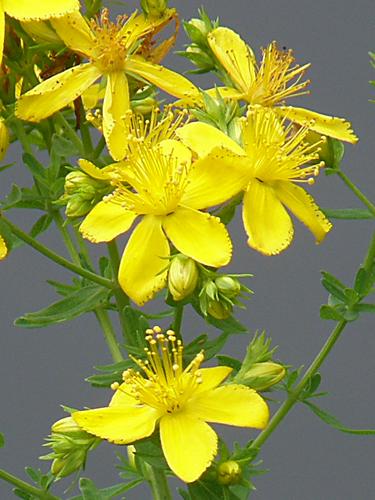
x=19, y=483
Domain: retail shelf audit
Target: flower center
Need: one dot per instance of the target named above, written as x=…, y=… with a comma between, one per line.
x=274, y=75
x=166, y=385
x=110, y=46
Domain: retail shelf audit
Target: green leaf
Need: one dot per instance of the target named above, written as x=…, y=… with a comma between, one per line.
x=364, y=281
x=12, y=198
x=91, y=492
x=331, y=313
x=333, y=285
x=63, y=147
x=335, y=423
x=149, y=450
x=36, y=168
x=364, y=307
x=79, y=302
x=348, y=213
x=41, y=225
x=210, y=490
x=110, y=373
x=229, y=361
x=2, y=440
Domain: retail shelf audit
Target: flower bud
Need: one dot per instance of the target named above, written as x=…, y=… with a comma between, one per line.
x=131, y=455
x=144, y=106
x=219, y=310
x=261, y=376
x=199, y=57
x=78, y=206
x=229, y=473
x=77, y=180
x=228, y=286
x=198, y=30
x=154, y=8
x=4, y=139
x=182, y=277
x=70, y=445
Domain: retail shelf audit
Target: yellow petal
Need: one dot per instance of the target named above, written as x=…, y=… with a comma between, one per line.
x=143, y=265
x=106, y=221
x=2, y=32
x=115, y=106
x=233, y=53
x=138, y=25
x=214, y=179
x=92, y=96
x=3, y=248
x=203, y=138
x=199, y=235
x=231, y=404
x=123, y=398
x=43, y=9
x=118, y=425
x=212, y=377
x=189, y=445
x=75, y=32
x=56, y=92
x=174, y=149
x=266, y=221
x=173, y=83
x=302, y=205
x=338, y=128
x=103, y=174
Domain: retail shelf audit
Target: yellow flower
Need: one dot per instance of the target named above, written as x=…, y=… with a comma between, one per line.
x=112, y=53
x=270, y=83
x=3, y=248
x=25, y=10
x=272, y=156
x=168, y=191
x=181, y=401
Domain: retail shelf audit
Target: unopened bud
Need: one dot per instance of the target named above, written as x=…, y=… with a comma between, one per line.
x=4, y=139
x=154, y=8
x=261, y=376
x=228, y=286
x=144, y=106
x=198, y=30
x=182, y=277
x=70, y=445
x=219, y=310
x=76, y=181
x=78, y=206
x=131, y=455
x=229, y=473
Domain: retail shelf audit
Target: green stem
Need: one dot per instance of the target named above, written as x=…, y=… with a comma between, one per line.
x=66, y=238
x=294, y=395
x=158, y=483
x=22, y=136
x=109, y=334
x=357, y=192
x=19, y=483
x=99, y=148
x=56, y=257
x=370, y=257
x=178, y=315
x=122, y=300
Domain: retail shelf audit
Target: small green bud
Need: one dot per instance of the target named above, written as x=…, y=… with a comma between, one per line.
x=4, y=139
x=78, y=206
x=70, y=445
x=198, y=30
x=144, y=106
x=229, y=473
x=261, y=376
x=199, y=57
x=154, y=8
x=182, y=277
x=219, y=310
x=228, y=286
x=131, y=455
x=78, y=181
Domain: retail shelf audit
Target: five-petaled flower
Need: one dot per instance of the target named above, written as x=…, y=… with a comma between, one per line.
x=272, y=159
x=24, y=10
x=111, y=50
x=270, y=83
x=180, y=400
x=159, y=182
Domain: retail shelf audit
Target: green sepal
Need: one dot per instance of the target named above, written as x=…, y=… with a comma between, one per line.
x=79, y=302
x=334, y=286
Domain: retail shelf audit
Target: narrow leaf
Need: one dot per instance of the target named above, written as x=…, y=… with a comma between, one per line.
x=81, y=301
x=348, y=213
x=335, y=423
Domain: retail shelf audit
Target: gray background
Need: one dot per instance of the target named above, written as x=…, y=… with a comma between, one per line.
x=41, y=369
